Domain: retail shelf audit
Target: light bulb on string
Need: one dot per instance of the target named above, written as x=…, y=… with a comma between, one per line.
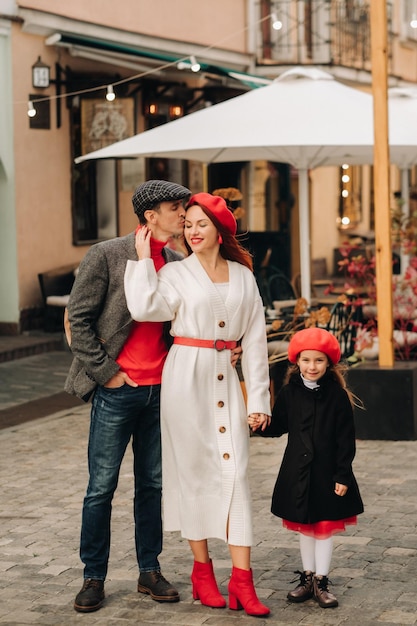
x=31, y=109
x=110, y=95
x=195, y=66
x=413, y=21
x=276, y=23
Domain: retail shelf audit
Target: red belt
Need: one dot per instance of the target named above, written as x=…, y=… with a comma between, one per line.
x=218, y=344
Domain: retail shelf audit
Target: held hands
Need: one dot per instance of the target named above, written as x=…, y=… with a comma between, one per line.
x=236, y=354
x=340, y=490
x=143, y=243
x=258, y=420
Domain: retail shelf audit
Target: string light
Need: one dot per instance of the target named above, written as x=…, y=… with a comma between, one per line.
x=31, y=109
x=343, y=220
x=195, y=66
x=110, y=95
x=180, y=64
x=413, y=21
x=276, y=23
x=190, y=63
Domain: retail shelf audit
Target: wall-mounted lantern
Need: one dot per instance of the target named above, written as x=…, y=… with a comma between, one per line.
x=41, y=74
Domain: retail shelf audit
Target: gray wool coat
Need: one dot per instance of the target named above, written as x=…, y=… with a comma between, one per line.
x=98, y=315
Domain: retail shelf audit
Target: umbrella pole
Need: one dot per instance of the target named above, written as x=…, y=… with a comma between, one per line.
x=304, y=233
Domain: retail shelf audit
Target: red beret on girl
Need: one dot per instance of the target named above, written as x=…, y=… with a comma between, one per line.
x=314, y=339
x=218, y=208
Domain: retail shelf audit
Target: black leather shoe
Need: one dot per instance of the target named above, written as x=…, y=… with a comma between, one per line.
x=157, y=587
x=90, y=597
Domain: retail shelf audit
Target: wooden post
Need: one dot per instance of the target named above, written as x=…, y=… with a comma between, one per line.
x=379, y=51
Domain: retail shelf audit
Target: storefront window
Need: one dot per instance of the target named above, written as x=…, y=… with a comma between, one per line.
x=95, y=124
x=94, y=206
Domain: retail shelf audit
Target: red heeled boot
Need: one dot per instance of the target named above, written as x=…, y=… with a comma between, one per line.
x=205, y=586
x=242, y=593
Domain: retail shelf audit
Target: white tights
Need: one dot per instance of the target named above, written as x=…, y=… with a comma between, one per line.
x=316, y=554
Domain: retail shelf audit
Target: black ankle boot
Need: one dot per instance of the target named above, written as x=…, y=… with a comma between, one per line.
x=157, y=587
x=91, y=596
x=304, y=590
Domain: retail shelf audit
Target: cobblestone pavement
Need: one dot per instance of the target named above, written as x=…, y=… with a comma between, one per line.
x=43, y=476
x=33, y=377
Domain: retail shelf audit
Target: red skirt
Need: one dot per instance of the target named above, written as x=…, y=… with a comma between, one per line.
x=321, y=530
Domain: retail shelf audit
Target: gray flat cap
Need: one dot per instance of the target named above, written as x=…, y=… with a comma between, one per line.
x=152, y=192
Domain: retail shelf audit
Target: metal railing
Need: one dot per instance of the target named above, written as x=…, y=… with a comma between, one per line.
x=326, y=32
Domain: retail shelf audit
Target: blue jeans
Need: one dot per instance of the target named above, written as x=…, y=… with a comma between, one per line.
x=117, y=415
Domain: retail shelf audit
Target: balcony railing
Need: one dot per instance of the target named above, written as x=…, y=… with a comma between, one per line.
x=325, y=32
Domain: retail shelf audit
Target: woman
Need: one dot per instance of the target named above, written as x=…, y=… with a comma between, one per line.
x=213, y=302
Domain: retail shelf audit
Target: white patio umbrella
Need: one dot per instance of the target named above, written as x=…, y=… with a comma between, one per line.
x=305, y=118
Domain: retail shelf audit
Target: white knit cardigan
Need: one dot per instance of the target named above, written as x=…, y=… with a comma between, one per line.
x=205, y=437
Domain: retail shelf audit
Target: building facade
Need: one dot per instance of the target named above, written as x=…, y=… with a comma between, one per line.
x=65, y=60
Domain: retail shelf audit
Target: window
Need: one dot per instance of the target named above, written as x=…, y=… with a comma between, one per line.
x=95, y=124
x=277, y=43
x=408, y=17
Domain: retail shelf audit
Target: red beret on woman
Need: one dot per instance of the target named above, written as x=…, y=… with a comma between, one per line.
x=217, y=206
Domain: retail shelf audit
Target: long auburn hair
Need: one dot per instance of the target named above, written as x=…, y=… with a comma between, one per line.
x=230, y=248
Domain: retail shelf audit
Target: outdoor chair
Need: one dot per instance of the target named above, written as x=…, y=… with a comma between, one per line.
x=344, y=322
x=55, y=288
x=280, y=288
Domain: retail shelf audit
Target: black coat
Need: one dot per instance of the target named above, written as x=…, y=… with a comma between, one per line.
x=319, y=452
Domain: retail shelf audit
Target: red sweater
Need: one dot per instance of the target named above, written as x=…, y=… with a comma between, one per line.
x=143, y=355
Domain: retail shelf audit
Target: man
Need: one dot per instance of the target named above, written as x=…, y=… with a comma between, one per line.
x=119, y=363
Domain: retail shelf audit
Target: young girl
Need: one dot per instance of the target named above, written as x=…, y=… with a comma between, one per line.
x=316, y=493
